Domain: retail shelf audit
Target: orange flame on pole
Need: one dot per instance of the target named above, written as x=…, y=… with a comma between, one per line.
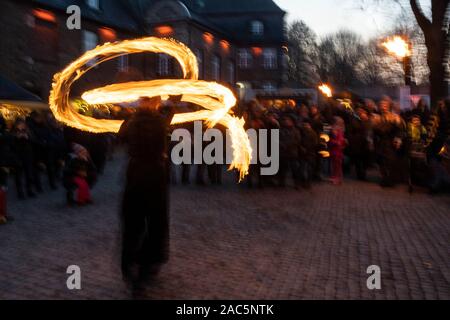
x=326, y=90
x=216, y=99
x=398, y=47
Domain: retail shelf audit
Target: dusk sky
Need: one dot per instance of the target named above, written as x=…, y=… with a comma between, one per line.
x=327, y=16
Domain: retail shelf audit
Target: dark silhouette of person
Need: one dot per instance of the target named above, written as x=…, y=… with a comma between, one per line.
x=145, y=207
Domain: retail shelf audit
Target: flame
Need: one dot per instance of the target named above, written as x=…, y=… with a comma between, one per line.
x=397, y=46
x=324, y=154
x=216, y=99
x=326, y=90
x=325, y=137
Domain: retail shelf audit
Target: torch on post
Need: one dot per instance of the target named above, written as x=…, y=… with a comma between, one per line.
x=401, y=49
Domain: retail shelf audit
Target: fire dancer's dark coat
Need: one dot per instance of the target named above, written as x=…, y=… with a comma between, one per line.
x=145, y=212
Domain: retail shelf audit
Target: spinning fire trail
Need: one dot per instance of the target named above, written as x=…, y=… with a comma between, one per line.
x=216, y=99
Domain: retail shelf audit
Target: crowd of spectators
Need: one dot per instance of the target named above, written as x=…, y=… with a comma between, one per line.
x=37, y=146
x=347, y=137
x=342, y=137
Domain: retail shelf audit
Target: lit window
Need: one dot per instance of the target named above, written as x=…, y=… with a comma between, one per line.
x=44, y=15
x=257, y=28
x=209, y=38
x=245, y=59
x=270, y=58
x=164, y=30
x=163, y=64
x=123, y=63
x=107, y=34
x=225, y=46
x=44, y=27
x=94, y=4
x=215, y=62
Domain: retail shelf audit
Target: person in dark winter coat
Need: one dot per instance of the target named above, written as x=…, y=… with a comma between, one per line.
x=389, y=131
x=290, y=144
x=145, y=207
x=440, y=168
x=309, y=153
x=358, y=143
x=23, y=149
x=8, y=159
x=42, y=148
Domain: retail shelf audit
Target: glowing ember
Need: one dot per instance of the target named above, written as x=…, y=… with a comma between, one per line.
x=326, y=90
x=215, y=98
x=397, y=46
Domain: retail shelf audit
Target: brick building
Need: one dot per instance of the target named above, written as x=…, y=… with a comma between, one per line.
x=235, y=41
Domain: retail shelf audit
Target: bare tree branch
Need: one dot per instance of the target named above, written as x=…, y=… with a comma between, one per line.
x=424, y=23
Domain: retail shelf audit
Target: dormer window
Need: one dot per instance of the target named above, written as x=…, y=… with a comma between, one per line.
x=93, y=4
x=257, y=28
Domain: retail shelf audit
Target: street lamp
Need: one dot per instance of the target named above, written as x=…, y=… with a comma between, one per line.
x=401, y=49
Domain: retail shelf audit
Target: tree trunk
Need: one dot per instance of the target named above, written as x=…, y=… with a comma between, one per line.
x=436, y=39
x=437, y=60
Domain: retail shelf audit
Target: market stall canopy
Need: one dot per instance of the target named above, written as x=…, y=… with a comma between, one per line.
x=13, y=94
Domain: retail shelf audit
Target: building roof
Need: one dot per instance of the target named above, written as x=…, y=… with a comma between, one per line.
x=232, y=6
x=229, y=17
x=117, y=13
x=233, y=17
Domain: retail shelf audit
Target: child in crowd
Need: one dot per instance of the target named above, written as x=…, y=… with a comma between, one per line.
x=417, y=133
x=79, y=176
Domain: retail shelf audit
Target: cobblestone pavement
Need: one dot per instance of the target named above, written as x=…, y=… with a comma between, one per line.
x=234, y=243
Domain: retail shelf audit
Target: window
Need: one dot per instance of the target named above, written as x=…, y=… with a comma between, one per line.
x=199, y=56
x=245, y=59
x=123, y=63
x=269, y=86
x=163, y=64
x=270, y=58
x=257, y=28
x=107, y=34
x=230, y=71
x=93, y=4
x=215, y=63
x=90, y=40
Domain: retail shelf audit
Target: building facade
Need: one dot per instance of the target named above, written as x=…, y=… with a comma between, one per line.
x=236, y=42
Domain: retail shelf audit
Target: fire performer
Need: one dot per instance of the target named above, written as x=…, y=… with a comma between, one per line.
x=145, y=208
